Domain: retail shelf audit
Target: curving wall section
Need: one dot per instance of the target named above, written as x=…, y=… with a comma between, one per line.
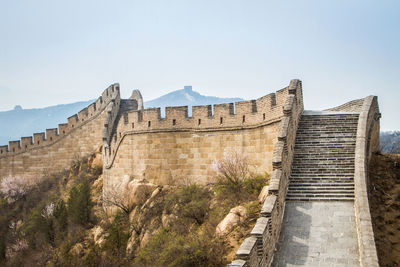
x=367, y=142
x=179, y=148
x=54, y=150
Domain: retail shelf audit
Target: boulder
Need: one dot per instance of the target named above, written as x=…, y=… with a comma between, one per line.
x=234, y=217
x=77, y=249
x=98, y=235
x=132, y=244
x=138, y=191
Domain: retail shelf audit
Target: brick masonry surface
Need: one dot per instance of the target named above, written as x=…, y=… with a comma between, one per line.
x=318, y=234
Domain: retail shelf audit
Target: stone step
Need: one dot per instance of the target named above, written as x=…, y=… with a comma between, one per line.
x=323, y=156
x=313, y=139
x=329, y=116
x=320, y=190
x=321, y=195
x=319, y=199
x=337, y=147
x=329, y=125
x=326, y=130
x=322, y=169
x=325, y=175
x=323, y=162
x=296, y=185
x=329, y=140
x=328, y=179
x=321, y=184
x=332, y=156
x=314, y=145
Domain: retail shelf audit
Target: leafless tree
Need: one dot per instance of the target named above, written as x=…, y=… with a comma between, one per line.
x=233, y=167
x=16, y=187
x=116, y=196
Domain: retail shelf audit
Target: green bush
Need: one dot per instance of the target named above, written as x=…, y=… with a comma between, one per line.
x=245, y=190
x=254, y=184
x=97, y=170
x=61, y=214
x=38, y=229
x=93, y=257
x=168, y=248
x=118, y=235
x=80, y=204
x=2, y=248
x=192, y=202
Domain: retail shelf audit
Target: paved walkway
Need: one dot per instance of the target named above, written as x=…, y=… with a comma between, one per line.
x=318, y=234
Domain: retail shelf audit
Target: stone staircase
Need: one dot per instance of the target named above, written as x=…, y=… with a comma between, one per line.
x=323, y=163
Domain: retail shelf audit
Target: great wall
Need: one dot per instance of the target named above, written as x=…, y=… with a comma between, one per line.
x=317, y=162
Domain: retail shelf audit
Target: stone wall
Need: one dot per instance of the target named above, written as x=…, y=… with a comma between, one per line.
x=55, y=149
x=179, y=148
x=367, y=143
x=352, y=106
x=258, y=249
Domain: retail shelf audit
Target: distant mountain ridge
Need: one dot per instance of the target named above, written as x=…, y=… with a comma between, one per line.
x=21, y=122
x=390, y=142
x=186, y=97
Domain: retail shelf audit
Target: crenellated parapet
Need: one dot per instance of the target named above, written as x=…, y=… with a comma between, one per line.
x=259, y=247
x=54, y=135
x=220, y=117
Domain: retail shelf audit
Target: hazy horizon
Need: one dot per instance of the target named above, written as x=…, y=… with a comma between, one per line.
x=56, y=53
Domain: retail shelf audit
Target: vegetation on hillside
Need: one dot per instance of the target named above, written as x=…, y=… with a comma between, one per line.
x=384, y=173
x=59, y=220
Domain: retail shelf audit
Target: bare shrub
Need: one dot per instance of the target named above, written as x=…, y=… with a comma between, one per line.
x=48, y=210
x=19, y=245
x=14, y=188
x=115, y=196
x=233, y=167
x=235, y=181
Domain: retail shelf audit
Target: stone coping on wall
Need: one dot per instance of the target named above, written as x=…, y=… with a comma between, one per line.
x=258, y=249
x=318, y=112
x=368, y=117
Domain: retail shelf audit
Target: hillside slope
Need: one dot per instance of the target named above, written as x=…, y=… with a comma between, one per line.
x=59, y=220
x=384, y=173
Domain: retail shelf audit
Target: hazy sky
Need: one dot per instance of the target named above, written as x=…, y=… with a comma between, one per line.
x=54, y=52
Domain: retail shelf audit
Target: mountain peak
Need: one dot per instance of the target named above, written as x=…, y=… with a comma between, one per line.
x=186, y=97
x=188, y=88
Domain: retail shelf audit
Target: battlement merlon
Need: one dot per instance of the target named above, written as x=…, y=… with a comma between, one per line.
x=263, y=110
x=26, y=142
x=174, y=112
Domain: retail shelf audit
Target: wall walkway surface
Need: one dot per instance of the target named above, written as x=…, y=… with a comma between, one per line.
x=316, y=233
x=333, y=227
